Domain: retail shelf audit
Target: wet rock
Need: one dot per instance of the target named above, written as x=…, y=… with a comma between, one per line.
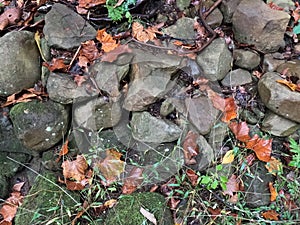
x=227, y=8
x=66, y=29
x=236, y=78
x=268, y=31
x=108, y=76
x=215, y=18
x=20, y=65
x=147, y=128
x=40, y=125
x=127, y=211
x=246, y=59
x=257, y=185
x=62, y=88
x=45, y=194
x=97, y=113
x=270, y=63
x=290, y=68
x=215, y=60
x=278, y=125
x=279, y=98
x=182, y=29
x=201, y=113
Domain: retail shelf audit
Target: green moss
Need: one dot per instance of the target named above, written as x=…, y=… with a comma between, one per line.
x=127, y=210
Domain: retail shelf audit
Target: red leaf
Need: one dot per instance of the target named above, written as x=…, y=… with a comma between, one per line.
x=261, y=147
x=190, y=148
x=240, y=130
x=134, y=179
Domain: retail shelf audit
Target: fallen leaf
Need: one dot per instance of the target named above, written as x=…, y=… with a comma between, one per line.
x=64, y=150
x=10, y=17
x=190, y=148
x=240, y=130
x=56, y=64
x=111, y=167
x=272, y=5
x=174, y=203
x=142, y=34
x=261, y=147
x=292, y=86
x=89, y=50
x=273, y=192
x=114, y=54
x=232, y=185
x=274, y=166
x=149, y=216
x=75, y=169
x=228, y=157
x=214, y=212
x=79, y=79
x=250, y=159
x=90, y=3
x=107, y=41
x=133, y=180
x=75, y=185
x=193, y=177
x=110, y=203
x=270, y=215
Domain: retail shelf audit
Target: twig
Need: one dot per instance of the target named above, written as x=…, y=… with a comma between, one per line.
x=215, y=5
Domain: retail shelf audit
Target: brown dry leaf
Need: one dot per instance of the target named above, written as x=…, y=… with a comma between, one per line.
x=107, y=41
x=240, y=130
x=89, y=50
x=75, y=169
x=79, y=80
x=272, y=5
x=228, y=157
x=270, y=215
x=232, y=185
x=274, y=166
x=114, y=54
x=142, y=34
x=75, y=185
x=214, y=212
x=149, y=216
x=261, y=147
x=83, y=61
x=133, y=180
x=174, y=203
x=90, y=3
x=273, y=192
x=292, y=86
x=63, y=151
x=190, y=148
x=10, y=17
x=111, y=167
x=18, y=186
x=110, y=203
x=56, y=64
x=193, y=177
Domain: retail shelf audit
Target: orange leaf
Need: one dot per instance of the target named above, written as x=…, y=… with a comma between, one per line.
x=89, y=50
x=90, y=3
x=292, y=86
x=10, y=206
x=230, y=111
x=274, y=166
x=107, y=41
x=113, y=55
x=240, y=130
x=261, y=147
x=190, y=148
x=75, y=169
x=111, y=167
x=63, y=151
x=270, y=215
x=134, y=179
x=232, y=185
x=56, y=64
x=273, y=192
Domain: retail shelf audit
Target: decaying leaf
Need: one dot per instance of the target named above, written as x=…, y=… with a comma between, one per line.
x=190, y=148
x=113, y=55
x=110, y=203
x=261, y=147
x=75, y=185
x=75, y=169
x=56, y=64
x=107, y=41
x=240, y=130
x=133, y=180
x=149, y=216
x=270, y=215
x=193, y=177
x=64, y=150
x=232, y=185
x=274, y=166
x=90, y=3
x=273, y=192
x=142, y=34
x=228, y=157
x=89, y=51
x=10, y=17
x=111, y=167
x=292, y=86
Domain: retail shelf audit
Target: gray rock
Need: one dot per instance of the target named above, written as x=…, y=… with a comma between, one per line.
x=215, y=60
x=127, y=211
x=228, y=7
x=236, y=78
x=285, y=4
x=206, y=155
x=215, y=18
x=270, y=63
x=182, y=4
x=62, y=88
x=278, y=125
x=246, y=59
x=201, y=113
x=182, y=29
x=290, y=68
x=279, y=98
x=216, y=137
x=97, y=113
x=40, y=125
x=257, y=24
x=20, y=62
x=66, y=29
x=166, y=108
x=147, y=128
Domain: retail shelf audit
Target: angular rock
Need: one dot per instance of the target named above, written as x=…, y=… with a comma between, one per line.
x=290, y=68
x=257, y=24
x=246, y=59
x=96, y=113
x=227, y=8
x=182, y=29
x=206, y=156
x=215, y=60
x=182, y=4
x=201, y=113
x=20, y=65
x=147, y=128
x=217, y=136
x=236, y=78
x=62, y=88
x=279, y=98
x=40, y=125
x=270, y=63
x=285, y=4
x=278, y=125
x=66, y=29
x=215, y=18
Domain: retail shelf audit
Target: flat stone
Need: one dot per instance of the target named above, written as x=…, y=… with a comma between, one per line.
x=236, y=78
x=246, y=59
x=278, y=125
x=20, y=62
x=215, y=60
x=66, y=29
x=257, y=24
x=279, y=98
x=182, y=29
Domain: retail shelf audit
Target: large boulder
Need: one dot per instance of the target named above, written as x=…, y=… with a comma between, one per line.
x=20, y=65
x=257, y=24
x=278, y=97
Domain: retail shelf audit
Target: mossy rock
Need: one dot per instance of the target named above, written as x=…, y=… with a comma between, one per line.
x=46, y=202
x=127, y=211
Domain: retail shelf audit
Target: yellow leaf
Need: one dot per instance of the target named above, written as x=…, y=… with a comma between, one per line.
x=38, y=43
x=228, y=157
x=274, y=166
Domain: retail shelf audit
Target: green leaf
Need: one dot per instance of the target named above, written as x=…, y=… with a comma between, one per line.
x=214, y=184
x=219, y=167
x=206, y=180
